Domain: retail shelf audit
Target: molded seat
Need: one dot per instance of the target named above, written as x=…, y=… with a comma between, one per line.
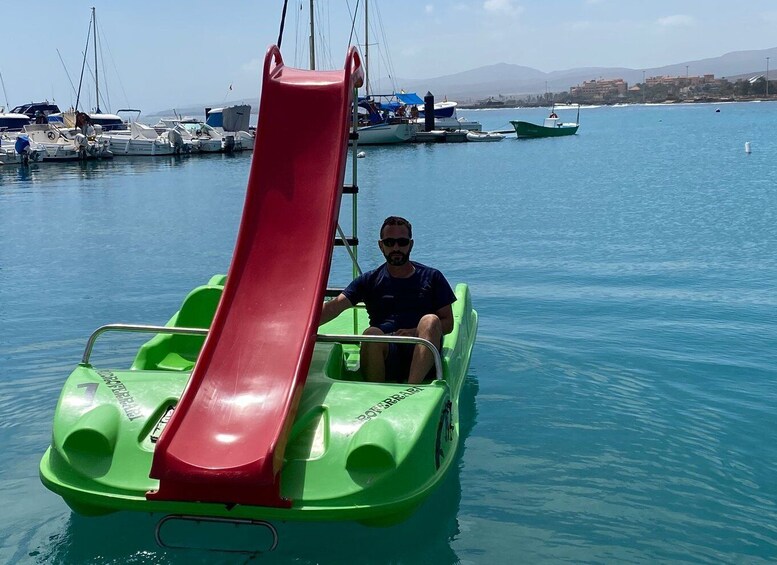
x=177, y=352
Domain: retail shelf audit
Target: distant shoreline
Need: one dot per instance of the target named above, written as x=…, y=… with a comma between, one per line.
x=511, y=106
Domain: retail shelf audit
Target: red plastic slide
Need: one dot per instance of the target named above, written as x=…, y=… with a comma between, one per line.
x=226, y=439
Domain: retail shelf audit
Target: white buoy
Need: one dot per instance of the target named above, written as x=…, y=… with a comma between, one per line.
x=747, y=147
x=362, y=154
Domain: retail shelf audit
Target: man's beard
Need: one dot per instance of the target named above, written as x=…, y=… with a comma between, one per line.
x=397, y=258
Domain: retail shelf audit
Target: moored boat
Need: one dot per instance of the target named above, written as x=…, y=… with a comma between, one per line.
x=13, y=121
x=445, y=114
x=380, y=125
x=488, y=136
x=552, y=126
x=237, y=409
x=386, y=133
x=141, y=140
x=232, y=124
x=48, y=143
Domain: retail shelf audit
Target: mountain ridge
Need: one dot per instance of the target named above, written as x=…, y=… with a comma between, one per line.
x=523, y=80
x=520, y=80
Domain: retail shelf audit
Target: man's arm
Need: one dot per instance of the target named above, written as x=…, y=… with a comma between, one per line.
x=446, y=318
x=333, y=308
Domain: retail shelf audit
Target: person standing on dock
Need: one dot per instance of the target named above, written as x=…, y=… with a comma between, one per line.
x=403, y=298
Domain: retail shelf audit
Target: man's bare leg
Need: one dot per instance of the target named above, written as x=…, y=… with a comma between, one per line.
x=430, y=329
x=373, y=358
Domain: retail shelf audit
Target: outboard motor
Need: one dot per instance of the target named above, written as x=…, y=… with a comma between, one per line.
x=428, y=112
x=22, y=147
x=176, y=139
x=82, y=143
x=229, y=143
x=22, y=144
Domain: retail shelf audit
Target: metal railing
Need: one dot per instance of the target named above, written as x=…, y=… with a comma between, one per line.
x=324, y=338
x=135, y=328
x=345, y=338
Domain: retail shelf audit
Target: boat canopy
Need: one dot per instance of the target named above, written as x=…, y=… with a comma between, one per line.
x=409, y=98
x=231, y=118
x=377, y=103
x=33, y=108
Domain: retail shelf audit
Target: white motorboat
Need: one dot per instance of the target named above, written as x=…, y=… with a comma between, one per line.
x=200, y=136
x=445, y=117
x=232, y=123
x=48, y=143
x=142, y=140
x=13, y=121
x=203, y=138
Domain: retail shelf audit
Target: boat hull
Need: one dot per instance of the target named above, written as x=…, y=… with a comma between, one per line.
x=487, y=137
x=385, y=134
x=126, y=146
x=527, y=130
x=357, y=451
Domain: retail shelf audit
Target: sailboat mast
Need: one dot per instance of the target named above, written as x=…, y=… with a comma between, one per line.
x=83, y=63
x=96, y=86
x=312, y=40
x=8, y=106
x=366, y=50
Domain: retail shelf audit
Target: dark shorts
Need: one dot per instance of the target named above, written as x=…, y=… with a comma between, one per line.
x=398, y=361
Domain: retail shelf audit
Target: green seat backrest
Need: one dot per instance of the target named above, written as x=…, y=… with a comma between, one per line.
x=176, y=351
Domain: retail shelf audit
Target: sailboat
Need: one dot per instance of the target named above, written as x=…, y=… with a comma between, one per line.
x=105, y=121
x=376, y=127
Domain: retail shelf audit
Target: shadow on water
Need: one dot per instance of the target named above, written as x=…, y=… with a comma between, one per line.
x=425, y=537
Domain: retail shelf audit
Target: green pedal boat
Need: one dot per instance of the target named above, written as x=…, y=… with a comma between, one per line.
x=357, y=451
x=241, y=408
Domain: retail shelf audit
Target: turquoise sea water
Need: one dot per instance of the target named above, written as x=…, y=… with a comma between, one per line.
x=621, y=404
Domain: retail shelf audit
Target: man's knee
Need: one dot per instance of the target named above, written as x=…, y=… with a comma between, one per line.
x=374, y=347
x=430, y=325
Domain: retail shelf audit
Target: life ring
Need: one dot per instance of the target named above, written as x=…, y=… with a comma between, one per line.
x=51, y=135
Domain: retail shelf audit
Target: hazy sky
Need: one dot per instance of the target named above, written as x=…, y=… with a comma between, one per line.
x=161, y=54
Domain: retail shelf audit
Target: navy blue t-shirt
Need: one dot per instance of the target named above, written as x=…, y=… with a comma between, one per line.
x=395, y=303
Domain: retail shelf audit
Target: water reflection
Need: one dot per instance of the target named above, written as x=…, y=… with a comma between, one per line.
x=36, y=173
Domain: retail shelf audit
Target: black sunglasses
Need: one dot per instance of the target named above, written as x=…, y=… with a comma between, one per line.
x=391, y=241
